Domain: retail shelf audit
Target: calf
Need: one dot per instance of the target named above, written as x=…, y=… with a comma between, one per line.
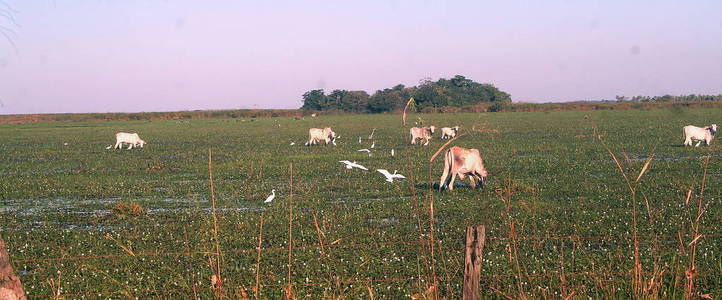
x=316, y=135
x=424, y=133
x=132, y=139
x=699, y=134
x=463, y=162
x=449, y=132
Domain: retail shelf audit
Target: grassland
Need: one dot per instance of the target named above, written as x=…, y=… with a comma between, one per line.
x=352, y=232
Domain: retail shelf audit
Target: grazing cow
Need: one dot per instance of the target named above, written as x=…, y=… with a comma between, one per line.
x=421, y=133
x=132, y=139
x=699, y=134
x=463, y=162
x=449, y=132
x=316, y=135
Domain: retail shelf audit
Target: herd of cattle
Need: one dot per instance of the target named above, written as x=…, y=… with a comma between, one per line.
x=458, y=161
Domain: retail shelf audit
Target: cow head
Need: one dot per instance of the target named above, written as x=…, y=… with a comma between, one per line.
x=455, y=128
x=329, y=133
x=712, y=128
x=431, y=129
x=140, y=143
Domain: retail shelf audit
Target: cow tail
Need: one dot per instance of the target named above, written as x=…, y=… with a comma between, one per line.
x=448, y=166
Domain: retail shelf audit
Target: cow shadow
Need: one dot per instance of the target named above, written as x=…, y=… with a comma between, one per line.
x=457, y=185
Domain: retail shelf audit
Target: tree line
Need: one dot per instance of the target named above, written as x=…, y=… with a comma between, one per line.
x=457, y=91
x=670, y=98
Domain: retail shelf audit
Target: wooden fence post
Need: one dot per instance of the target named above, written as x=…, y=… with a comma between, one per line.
x=10, y=286
x=475, y=240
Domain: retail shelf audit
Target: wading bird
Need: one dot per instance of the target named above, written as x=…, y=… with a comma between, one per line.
x=351, y=165
x=390, y=177
x=365, y=150
x=270, y=198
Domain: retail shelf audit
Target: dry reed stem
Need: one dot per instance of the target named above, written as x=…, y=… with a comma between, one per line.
x=320, y=235
x=444, y=146
x=408, y=104
x=219, y=279
x=258, y=258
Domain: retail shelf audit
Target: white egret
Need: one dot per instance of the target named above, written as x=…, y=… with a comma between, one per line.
x=365, y=150
x=351, y=165
x=390, y=177
x=270, y=198
x=392, y=152
x=373, y=144
x=293, y=143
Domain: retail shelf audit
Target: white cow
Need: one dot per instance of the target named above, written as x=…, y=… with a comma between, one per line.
x=424, y=133
x=449, y=132
x=132, y=139
x=699, y=134
x=315, y=135
x=463, y=162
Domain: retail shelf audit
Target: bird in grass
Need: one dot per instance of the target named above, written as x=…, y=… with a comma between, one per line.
x=392, y=152
x=390, y=177
x=293, y=143
x=365, y=150
x=270, y=198
x=351, y=165
x=359, y=140
x=111, y=146
x=373, y=144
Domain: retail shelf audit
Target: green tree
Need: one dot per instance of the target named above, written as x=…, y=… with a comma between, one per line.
x=314, y=100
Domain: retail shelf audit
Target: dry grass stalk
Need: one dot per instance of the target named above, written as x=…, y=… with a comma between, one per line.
x=128, y=208
x=371, y=293
x=506, y=193
x=691, y=272
x=289, y=289
x=126, y=288
x=562, y=276
x=637, y=280
x=419, y=223
x=320, y=235
x=193, y=276
x=216, y=279
x=126, y=249
x=257, y=289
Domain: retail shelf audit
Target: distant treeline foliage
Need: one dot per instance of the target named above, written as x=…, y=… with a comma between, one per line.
x=670, y=98
x=457, y=91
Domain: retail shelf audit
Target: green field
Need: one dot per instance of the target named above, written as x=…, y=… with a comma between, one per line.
x=567, y=200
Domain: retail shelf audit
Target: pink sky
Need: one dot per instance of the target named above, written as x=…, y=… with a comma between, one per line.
x=101, y=56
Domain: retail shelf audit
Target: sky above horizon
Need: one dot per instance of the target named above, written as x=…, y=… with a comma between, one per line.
x=129, y=56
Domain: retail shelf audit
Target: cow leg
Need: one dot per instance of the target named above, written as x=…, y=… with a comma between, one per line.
x=451, y=183
x=472, y=180
x=130, y=146
x=698, y=142
x=117, y=145
x=444, y=176
x=427, y=142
